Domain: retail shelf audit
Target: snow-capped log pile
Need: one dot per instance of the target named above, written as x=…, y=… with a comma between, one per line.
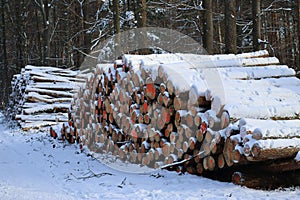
x=41, y=96
x=161, y=111
x=158, y=109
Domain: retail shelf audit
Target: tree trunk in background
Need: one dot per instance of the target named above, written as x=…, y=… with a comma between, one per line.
x=298, y=30
x=116, y=8
x=230, y=26
x=256, y=24
x=135, y=7
x=53, y=42
x=33, y=31
x=18, y=32
x=208, y=31
x=144, y=13
x=46, y=40
x=3, y=35
x=144, y=25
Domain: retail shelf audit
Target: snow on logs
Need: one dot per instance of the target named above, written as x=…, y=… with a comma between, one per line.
x=274, y=139
x=159, y=111
x=133, y=113
x=41, y=96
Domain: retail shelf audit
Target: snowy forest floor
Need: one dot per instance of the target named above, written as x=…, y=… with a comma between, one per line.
x=34, y=166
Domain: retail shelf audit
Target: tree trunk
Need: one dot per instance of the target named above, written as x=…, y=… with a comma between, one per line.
x=297, y=8
x=256, y=24
x=144, y=24
x=55, y=43
x=209, y=37
x=46, y=42
x=116, y=8
x=3, y=35
x=18, y=33
x=135, y=5
x=39, y=36
x=230, y=26
x=144, y=13
x=3, y=59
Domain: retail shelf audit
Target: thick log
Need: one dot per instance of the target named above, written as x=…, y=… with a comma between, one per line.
x=51, y=117
x=36, y=125
x=257, y=72
x=221, y=161
x=266, y=180
x=47, y=108
x=180, y=103
x=228, y=152
x=209, y=163
x=275, y=153
x=50, y=92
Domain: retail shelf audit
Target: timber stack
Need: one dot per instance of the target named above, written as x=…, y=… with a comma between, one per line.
x=168, y=111
x=162, y=111
x=41, y=96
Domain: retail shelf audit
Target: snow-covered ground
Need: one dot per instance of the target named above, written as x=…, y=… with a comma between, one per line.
x=34, y=166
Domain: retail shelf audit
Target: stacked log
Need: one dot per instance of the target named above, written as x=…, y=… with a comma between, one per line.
x=274, y=139
x=143, y=119
x=161, y=113
x=41, y=96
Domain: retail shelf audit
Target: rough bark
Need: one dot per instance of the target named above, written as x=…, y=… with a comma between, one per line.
x=297, y=8
x=116, y=8
x=230, y=27
x=256, y=24
x=209, y=29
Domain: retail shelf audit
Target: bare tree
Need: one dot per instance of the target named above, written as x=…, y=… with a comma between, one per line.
x=209, y=29
x=44, y=10
x=256, y=15
x=297, y=10
x=116, y=9
x=3, y=34
x=144, y=13
x=230, y=26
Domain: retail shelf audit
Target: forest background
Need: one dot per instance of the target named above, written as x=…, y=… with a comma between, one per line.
x=62, y=32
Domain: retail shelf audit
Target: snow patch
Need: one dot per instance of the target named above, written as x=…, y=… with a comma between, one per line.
x=34, y=166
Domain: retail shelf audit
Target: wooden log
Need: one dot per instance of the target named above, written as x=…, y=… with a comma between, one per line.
x=209, y=163
x=150, y=155
x=52, y=93
x=172, y=158
x=151, y=90
x=266, y=180
x=199, y=135
x=221, y=161
x=158, y=136
x=257, y=72
x=180, y=103
x=205, y=147
x=158, y=155
x=224, y=120
x=187, y=131
x=199, y=168
x=197, y=157
x=228, y=152
x=50, y=117
x=199, y=117
x=47, y=108
x=36, y=97
x=173, y=137
x=185, y=146
x=192, y=143
x=276, y=153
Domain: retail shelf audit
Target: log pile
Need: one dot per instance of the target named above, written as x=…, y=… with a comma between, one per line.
x=41, y=96
x=157, y=110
